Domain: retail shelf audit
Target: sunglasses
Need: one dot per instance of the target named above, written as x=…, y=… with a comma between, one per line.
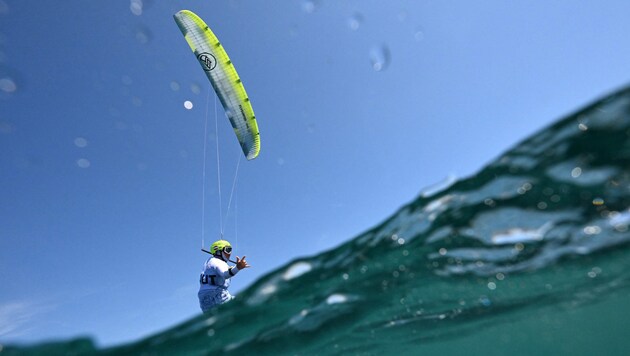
x=227, y=249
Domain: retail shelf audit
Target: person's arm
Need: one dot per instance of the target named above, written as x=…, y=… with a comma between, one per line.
x=226, y=271
x=229, y=272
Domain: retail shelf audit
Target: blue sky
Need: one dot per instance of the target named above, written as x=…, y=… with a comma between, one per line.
x=361, y=104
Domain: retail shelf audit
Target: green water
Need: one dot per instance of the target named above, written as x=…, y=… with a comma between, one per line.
x=529, y=256
x=593, y=329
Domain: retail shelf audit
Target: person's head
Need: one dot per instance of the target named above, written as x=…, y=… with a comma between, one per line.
x=221, y=248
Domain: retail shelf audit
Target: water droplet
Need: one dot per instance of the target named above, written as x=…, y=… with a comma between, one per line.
x=355, y=21
x=418, y=34
x=598, y=201
x=492, y=286
x=592, y=230
x=7, y=85
x=83, y=163
x=80, y=142
x=380, y=58
x=621, y=228
x=174, y=86
x=143, y=35
x=576, y=172
x=485, y=301
x=188, y=104
x=136, y=7
x=310, y=6
x=280, y=161
x=582, y=127
x=195, y=88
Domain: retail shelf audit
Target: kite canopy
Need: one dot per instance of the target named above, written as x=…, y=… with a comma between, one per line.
x=224, y=79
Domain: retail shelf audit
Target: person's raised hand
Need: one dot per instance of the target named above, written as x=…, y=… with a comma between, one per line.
x=241, y=263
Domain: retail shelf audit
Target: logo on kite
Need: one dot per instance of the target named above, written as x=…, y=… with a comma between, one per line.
x=207, y=60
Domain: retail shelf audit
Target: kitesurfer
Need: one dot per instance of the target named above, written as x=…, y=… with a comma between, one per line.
x=216, y=275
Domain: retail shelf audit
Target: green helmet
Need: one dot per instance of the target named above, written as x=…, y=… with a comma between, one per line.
x=219, y=246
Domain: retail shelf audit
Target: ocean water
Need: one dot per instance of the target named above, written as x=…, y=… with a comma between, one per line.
x=529, y=256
